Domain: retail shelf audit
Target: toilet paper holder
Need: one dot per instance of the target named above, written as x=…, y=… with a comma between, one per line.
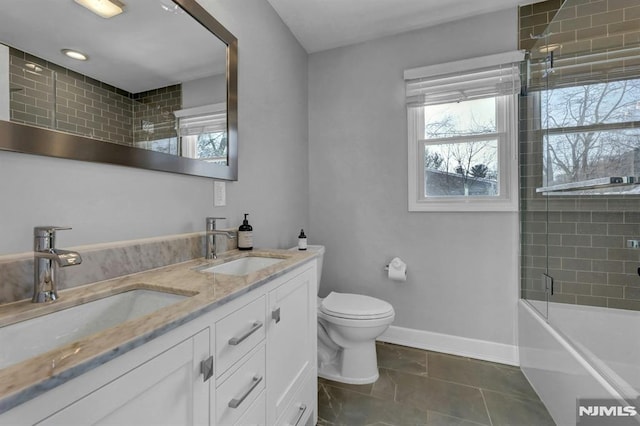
x=386, y=267
x=396, y=269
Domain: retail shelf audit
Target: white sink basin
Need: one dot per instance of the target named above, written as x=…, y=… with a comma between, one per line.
x=36, y=336
x=243, y=266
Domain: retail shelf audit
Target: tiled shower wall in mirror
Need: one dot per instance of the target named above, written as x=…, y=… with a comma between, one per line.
x=81, y=105
x=581, y=239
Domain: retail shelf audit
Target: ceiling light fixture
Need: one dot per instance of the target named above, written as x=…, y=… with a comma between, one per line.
x=171, y=7
x=104, y=8
x=74, y=54
x=33, y=67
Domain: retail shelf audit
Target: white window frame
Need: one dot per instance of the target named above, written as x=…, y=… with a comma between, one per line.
x=192, y=122
x=507, y=125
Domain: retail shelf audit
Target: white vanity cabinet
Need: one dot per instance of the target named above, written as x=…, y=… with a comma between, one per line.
x=167, y=389
x=291, y=350
x=251, y=361
x=240, y=360
x=157, y=383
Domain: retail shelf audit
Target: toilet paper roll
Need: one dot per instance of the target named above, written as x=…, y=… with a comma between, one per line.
x=397, y=270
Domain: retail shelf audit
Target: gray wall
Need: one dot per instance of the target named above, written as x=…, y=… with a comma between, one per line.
x=462, y=267
x=106, y=203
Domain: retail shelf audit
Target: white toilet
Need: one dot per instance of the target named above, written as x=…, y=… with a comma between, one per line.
x=348, y=325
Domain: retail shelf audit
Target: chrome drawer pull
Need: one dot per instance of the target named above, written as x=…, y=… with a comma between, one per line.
x=235, y=402
x=237, y=340
x=301, y=411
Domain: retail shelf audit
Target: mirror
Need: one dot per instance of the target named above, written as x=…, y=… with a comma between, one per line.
x=158, y=89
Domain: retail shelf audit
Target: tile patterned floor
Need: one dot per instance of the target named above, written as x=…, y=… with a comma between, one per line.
x=428, y=388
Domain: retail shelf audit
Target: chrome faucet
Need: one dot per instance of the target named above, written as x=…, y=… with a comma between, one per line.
x=45, y=253
x=210, y=246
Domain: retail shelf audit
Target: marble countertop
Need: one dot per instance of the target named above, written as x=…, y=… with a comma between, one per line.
x=27, y=379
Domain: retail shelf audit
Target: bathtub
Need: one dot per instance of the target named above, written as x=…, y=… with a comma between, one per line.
x=581, y=352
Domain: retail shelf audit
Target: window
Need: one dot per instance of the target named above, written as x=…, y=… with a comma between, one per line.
x=462, y=119
x=592, y=131
x=202, y=133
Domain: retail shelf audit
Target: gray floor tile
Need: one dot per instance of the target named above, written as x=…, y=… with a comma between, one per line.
x=342, y=407
x=418, y=388
x=482, y=374
x=437, y=419
x=338, y=406
x=385, y=387
x=505, y=410
x=408, y=360
x=448, y=398
x=364, y=389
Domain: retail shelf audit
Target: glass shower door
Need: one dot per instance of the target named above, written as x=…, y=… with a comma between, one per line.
x=536, y=280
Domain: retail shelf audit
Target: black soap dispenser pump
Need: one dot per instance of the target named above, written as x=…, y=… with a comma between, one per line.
x=245, y=235
x=302, y=240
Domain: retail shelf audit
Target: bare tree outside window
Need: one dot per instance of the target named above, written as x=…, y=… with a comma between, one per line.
x=212, y=146
x=592, y=131
x=461, y=149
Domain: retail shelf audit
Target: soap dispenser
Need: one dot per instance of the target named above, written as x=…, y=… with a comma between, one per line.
x=302, y=240
x=245, y=235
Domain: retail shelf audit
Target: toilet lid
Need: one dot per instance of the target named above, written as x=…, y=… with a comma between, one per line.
x=355, y=306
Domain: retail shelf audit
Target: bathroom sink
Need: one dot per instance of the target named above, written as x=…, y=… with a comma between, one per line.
x=38, y=335
x=243, y=266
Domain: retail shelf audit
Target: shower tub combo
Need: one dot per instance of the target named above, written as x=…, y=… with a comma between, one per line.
x=580, y=352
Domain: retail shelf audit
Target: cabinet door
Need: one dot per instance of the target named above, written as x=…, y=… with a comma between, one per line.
x=303, y=408
x=166, y=390
x=291, y=339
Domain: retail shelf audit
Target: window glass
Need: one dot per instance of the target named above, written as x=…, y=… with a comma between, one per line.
x=212, y=147
x=592, y=131
x=460, y=118
x=590, y=104
x=459, y=159
x=461, y=169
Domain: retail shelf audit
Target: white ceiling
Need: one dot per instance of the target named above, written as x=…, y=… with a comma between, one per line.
x=325, y=24
x=136, y=51
x=43, y=27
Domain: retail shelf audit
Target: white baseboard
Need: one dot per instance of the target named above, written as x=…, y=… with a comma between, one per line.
x=455, y=345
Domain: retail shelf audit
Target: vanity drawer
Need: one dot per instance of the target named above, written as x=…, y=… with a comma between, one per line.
x=236, y=394
x=302, y=410
x=256, y=414
x=239, y=332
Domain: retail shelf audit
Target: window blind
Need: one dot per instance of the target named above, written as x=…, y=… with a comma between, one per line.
x=458, y=81
x=204, y=119
x=207, y=123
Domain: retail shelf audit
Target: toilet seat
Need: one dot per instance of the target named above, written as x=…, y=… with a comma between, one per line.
x=355, y=306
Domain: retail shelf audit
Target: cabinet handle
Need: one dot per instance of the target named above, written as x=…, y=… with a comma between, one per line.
x=275, y=314
x=237, y=340
x=206, y=368
x=235, y=402
x=301, y=410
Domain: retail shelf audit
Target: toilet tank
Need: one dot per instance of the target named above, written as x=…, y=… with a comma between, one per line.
x=320, y=258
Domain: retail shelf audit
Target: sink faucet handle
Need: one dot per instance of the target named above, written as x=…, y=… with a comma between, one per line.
x=45, y=231
x=211, y=222
x=44, y=237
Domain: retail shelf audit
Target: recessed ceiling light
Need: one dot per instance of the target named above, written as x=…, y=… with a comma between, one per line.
x=103, y=8
x=74, y=54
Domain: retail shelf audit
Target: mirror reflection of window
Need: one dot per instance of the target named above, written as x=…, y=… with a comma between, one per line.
x=203, y=133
